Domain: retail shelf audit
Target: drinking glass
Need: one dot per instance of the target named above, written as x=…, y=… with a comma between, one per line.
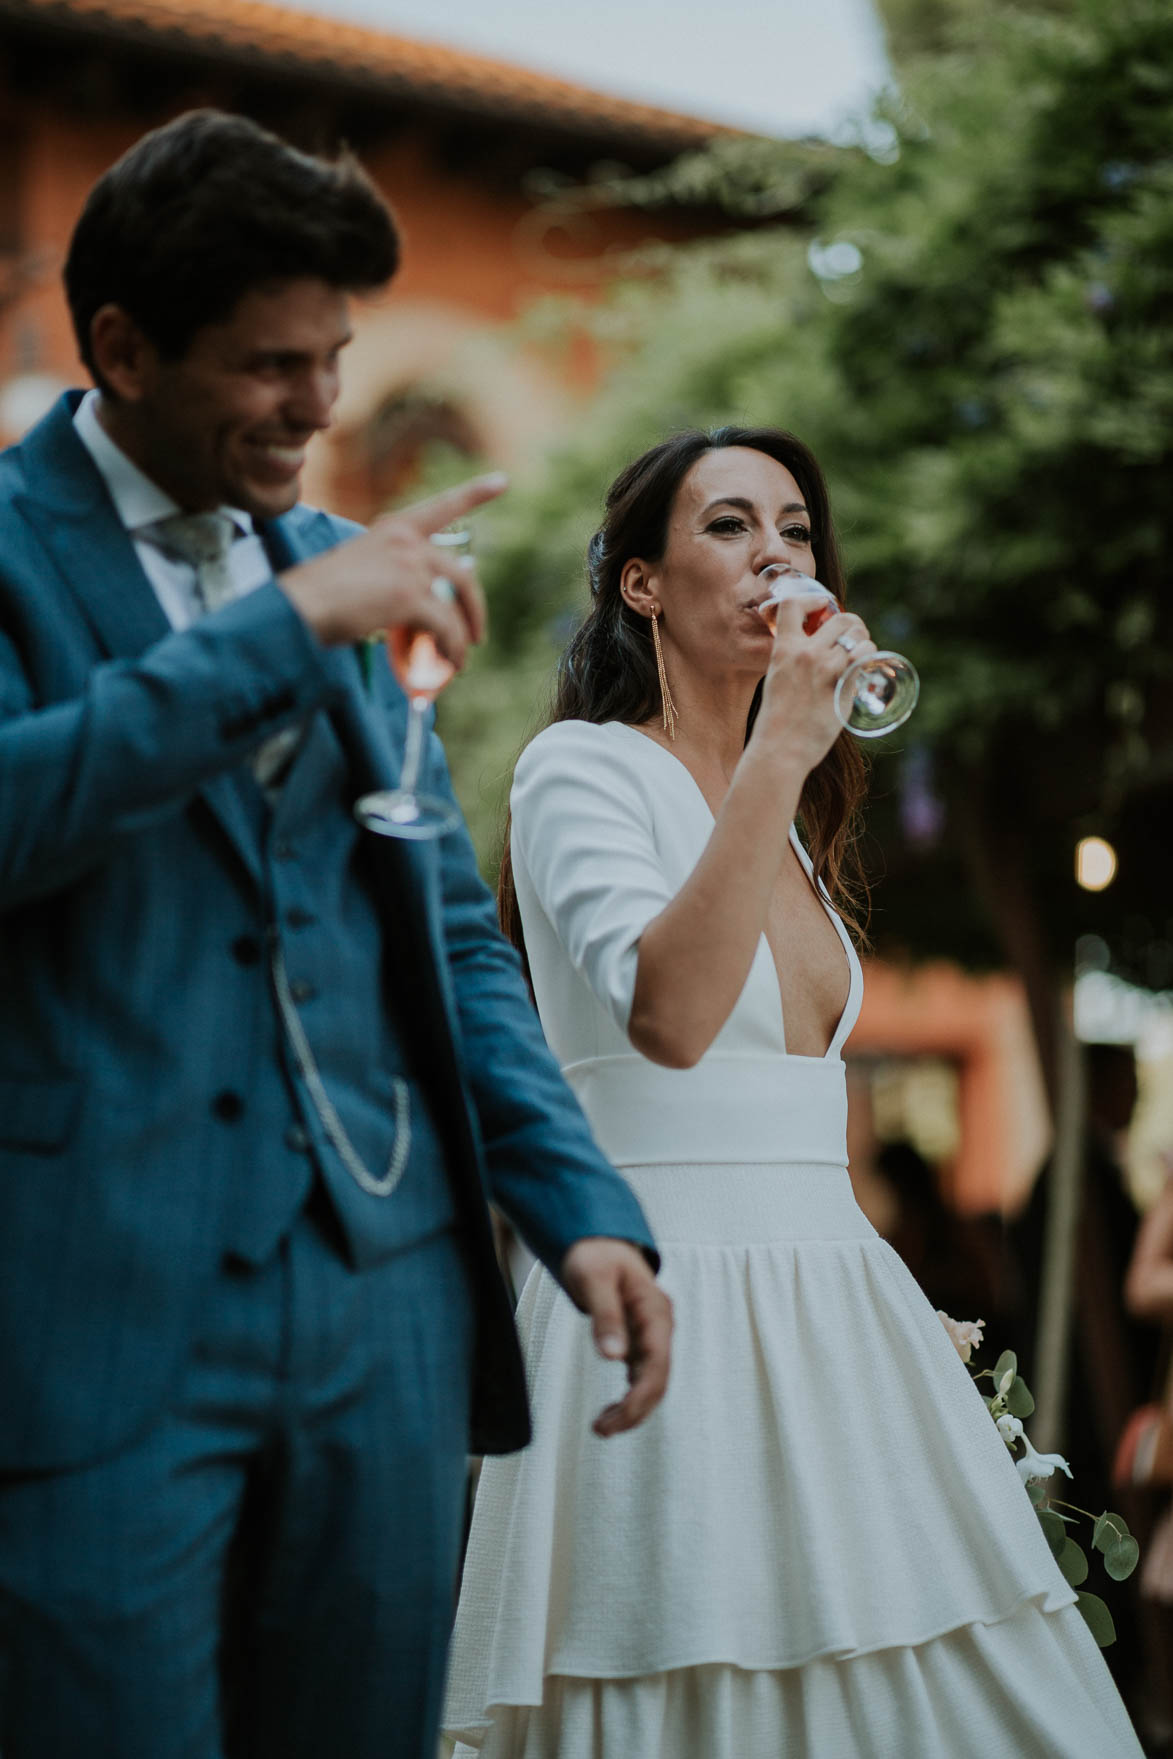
x=423, y=672
x=874, y=695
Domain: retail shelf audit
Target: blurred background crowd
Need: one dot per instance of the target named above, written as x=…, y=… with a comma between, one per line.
x=936, y=240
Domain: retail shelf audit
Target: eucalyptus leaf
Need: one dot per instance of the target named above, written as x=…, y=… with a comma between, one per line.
x=1097, y=1618
x=1104, y=1533
x=1122, y=1558
x=1054, y=1530
x=1007, y=1363
x=1019, y=1400
x=1036, y=1489
x=1073, y=1563
x=1108, y=1529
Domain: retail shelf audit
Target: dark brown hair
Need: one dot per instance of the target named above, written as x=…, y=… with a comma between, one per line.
x=198, y=213
x=608, y=670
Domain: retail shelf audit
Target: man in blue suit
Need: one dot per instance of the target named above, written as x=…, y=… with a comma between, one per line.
x=259, y=1069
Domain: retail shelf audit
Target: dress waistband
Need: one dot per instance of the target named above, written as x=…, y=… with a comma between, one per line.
x=726, y=1110
x=753, y=1205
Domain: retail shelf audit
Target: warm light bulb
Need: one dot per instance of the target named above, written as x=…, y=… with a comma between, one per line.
x=1095, y=864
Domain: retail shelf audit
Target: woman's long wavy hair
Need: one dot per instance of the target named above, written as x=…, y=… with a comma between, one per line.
x=608, y=670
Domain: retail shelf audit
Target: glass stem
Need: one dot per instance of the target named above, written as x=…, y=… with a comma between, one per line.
x=414, y=747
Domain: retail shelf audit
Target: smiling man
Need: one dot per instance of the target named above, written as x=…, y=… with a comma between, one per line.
x=259, y=1070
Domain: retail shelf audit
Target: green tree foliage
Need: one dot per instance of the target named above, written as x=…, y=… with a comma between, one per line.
x=916, y=28
x=974, y=329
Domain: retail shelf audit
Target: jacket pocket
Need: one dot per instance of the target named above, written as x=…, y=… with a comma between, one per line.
x=38, y=1112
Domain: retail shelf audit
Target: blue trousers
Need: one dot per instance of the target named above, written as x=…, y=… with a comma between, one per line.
x=269, y=1572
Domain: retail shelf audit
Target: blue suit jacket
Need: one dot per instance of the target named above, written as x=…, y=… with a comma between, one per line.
x=128, y=853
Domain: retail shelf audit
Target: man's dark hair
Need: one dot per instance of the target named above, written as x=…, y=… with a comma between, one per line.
x=203, y=210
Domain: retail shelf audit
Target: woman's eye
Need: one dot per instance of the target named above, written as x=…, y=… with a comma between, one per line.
x=797, y=534
x=727, y=524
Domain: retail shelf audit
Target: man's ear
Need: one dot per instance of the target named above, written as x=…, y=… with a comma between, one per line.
x=635, y=586
x=123, y=357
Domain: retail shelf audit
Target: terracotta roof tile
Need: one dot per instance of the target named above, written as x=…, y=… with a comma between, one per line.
x=355, y=54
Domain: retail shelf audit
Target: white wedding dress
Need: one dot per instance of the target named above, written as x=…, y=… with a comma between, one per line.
x=817, y=1546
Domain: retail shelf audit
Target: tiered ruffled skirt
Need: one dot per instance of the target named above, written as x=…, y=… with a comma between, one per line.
x=817, y=1547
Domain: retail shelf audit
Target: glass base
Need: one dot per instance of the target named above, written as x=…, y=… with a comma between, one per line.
x=877, y=695
x=393, y=812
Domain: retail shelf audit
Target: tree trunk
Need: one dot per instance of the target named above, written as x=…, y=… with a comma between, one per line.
x=1060, y=1244
x=998, y=860
x=999, y=864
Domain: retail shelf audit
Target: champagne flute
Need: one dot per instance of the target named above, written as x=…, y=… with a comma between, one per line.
x=873, y=696
x=423, y=671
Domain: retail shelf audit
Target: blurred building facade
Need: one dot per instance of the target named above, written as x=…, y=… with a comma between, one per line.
x=946, y=1061
x=465, y=148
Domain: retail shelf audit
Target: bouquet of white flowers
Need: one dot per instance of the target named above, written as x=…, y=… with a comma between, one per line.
x=1008, y=1404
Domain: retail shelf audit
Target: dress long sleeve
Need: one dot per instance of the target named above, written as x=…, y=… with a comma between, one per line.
x=583, y=827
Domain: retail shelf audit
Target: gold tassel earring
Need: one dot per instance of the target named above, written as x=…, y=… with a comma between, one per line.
x=669, y=716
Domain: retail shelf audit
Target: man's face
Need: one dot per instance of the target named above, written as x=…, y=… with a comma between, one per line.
x=228, y=424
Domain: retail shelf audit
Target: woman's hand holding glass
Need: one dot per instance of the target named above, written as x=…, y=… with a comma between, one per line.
x=876, y=690
x=798, y=716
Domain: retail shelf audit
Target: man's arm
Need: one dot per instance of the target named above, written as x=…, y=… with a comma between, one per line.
x=142, y=735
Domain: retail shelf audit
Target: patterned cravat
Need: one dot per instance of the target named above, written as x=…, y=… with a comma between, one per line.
x=203, y=540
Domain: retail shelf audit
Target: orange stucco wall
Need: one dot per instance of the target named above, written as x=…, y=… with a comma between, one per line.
x=981, y=1025
x=56, y=163
x=465, y=245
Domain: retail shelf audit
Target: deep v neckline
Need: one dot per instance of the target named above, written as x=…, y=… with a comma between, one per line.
x=850, y=1010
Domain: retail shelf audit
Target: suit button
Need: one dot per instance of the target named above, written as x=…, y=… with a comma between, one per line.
x=297, y=1139
x=228, y=1107
x=246, y=949
x=283, y=851
x=301, y=991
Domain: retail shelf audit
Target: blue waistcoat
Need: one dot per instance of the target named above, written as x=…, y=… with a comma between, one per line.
x=318, y=951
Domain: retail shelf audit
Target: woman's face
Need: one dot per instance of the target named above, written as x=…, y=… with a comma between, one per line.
x=736, y=511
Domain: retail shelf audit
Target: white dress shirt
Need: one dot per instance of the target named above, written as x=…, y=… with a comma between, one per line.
x=139, y=502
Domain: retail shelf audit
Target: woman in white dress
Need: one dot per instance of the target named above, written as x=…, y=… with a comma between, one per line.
x=818, y=1546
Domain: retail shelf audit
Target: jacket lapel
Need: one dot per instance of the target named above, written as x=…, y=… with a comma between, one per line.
x=69, y=507
x=67, y=504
